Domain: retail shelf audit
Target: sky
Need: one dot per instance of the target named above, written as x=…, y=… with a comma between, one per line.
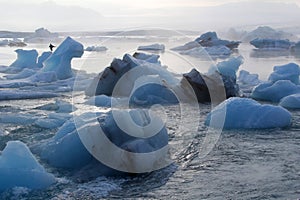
x=98, y=15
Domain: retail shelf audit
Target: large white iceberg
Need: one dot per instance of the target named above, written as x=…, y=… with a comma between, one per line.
x=243, y=113
x=291, y=101
x=289, y=71
x=274, y=91
x=19, y=168
x=60, y=61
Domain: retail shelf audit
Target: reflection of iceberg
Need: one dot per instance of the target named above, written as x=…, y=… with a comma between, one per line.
x=242, y=113
x=19, y=168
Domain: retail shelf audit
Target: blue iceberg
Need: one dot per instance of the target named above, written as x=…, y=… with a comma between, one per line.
x=289, y=71
x=243, y=113
x=60, y=61
x=19, y=168
x=291, y=101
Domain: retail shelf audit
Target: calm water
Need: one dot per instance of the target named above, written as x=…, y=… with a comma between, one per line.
x=258, y=164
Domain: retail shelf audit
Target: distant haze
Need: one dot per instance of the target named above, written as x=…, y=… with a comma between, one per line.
x=103, y=15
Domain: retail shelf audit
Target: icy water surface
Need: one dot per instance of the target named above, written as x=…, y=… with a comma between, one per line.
x=258, y=164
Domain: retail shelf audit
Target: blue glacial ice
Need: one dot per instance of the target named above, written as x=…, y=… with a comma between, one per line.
x=245, y=78
x=19, y=168
x=210, y=39
x=96, y=48
x=291, y=101
x=289, y=71
x=274, y=91
x=244, y=113
x=45, y=55
x=283, y=81
x=25, y=59
x=66, y=150
x=60, y=61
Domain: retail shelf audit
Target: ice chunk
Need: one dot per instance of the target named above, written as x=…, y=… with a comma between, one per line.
x=228, y=67
x=243, y=113
x=187, y=46
x=3, y=43
x=45, y=55
x=60, y=61
x=101, y=101
x=289, y=71
x=291, y=101
x=24, y=94
x=151, y=58
x=214, y=51
x=18, y=119
x=41, y=35
x=152, y=47
x=210, y=39
x=46, y=77
x=96, y=48
x=270, y=44
x=248, y=79
x=274, y=91
x=19, y=168
x=16, y=43
x=59, y=106
x=23, y=74
x=25, y=59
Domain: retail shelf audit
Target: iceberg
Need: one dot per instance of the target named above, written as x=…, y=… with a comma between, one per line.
x=214, y=51
x=246, y=78
x=152, y=47
x=60, y=61
x=3, y=43
x=210, y=39
x=274, y=91
x=291, y=101
x=59, y=106
x=187, y=46
x=101, y=101
x=96, y=48
x=66, y=150
x=228, y=67
x=45, y=55
x=25, y=59
x=41, y=35
x=271, y=44
x=22, y=74
x=19, y=168
x=106, y=81
x=23, y=94
x=243, y=113
x=16, y=43
x=289, y=71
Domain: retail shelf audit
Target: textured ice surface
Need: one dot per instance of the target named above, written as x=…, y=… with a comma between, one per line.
x=289, y=71
x=243, y=113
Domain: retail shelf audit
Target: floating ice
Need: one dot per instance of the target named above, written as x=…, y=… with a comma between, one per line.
x=23, y=74
x=96, y=48
x=16, y=43
x=59, y=106
x=3, y=43
x=25, y=59
x=248, y=79
x=187, y=46
x=243, y=113
x=152, y=47
x=106, y=81
x=19, y=168
x=289, y=71
x=228, y=67
x=23, y=94
x=291, y=101
x=271, y=44
x=210, y=39
x=214, y=51
x=60, y=61
x=45, y=55
x=41, y=35
x=101, y=101
x=274, y=91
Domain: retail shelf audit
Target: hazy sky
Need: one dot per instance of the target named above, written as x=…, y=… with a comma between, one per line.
x=64, y=15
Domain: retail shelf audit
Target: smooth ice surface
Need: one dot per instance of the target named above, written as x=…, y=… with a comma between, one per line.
x=291, y=101
x=25, y=59
x=270, y=44
x=274, y=91
x=152, y=47
x=60, y=61
x=19, y=168
x=95, y=48
x=289, y=71
x=248, y=79
x=243, y=113
x=228, y=67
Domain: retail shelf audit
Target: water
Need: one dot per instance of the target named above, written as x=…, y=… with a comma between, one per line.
x=258, y=164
